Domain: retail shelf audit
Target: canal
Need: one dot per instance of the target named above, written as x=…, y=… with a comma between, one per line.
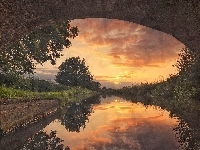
x=98, y=123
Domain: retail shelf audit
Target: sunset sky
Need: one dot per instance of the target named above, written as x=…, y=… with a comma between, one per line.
x=119, y=53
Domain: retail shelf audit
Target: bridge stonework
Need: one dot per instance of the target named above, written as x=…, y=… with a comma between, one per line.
x=179, y=18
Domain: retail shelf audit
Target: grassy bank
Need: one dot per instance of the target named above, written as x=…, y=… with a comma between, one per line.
x=11, y=95
x=20, y=108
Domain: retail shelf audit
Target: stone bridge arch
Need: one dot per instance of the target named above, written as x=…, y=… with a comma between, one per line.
x=180, y=18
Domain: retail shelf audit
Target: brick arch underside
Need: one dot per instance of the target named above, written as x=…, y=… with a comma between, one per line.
x=179, y=19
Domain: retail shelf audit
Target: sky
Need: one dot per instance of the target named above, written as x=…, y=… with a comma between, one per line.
x=119, y=53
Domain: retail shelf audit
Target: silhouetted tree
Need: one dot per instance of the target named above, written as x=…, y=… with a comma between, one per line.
x=95, y=86
x=74, y=72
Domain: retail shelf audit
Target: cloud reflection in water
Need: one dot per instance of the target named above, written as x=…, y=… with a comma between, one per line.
x=122, y=125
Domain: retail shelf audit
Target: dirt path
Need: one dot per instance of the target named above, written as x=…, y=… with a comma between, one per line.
x=20, y=114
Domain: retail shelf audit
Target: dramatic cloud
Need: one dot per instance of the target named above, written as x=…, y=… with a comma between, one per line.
x=131, y=45
x=103, y=77
x=120, y=53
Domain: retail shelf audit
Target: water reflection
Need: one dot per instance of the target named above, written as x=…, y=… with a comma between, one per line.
x=188, y=113
x=44, y=141
x=110, y=123
x=117, y=124
x=76, y=114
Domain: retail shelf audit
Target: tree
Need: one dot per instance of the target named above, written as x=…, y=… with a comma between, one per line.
x=95, y=86
x=74, y=72
x=188, y=81
x=41, y=45
x=14, y=80
x=186, y=59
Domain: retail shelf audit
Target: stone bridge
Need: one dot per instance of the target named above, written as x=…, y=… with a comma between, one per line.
x=179, y=18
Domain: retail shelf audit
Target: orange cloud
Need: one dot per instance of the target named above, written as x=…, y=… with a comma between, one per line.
x=129, y=133
x=103, y=77
x=140, y=46
x=124, y=76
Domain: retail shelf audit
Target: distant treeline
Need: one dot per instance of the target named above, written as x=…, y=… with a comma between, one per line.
x=35, y=84
x=32, y=83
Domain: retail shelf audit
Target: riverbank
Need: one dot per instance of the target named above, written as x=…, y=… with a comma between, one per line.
x=26, y=133
x=23, y=108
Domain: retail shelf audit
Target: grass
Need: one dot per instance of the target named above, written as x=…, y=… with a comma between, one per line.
x=14, y=95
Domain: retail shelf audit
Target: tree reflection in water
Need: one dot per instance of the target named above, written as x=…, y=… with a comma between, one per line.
x=76, y=114
x=42, y=141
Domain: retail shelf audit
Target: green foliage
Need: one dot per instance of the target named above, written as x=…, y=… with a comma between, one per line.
x=188, y=81
x=10, y=93
x=39, y=46
x=14, y=80
x=186, y=60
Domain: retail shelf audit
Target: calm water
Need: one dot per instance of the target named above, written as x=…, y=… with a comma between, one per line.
x=118, y=124
x=104, y=123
